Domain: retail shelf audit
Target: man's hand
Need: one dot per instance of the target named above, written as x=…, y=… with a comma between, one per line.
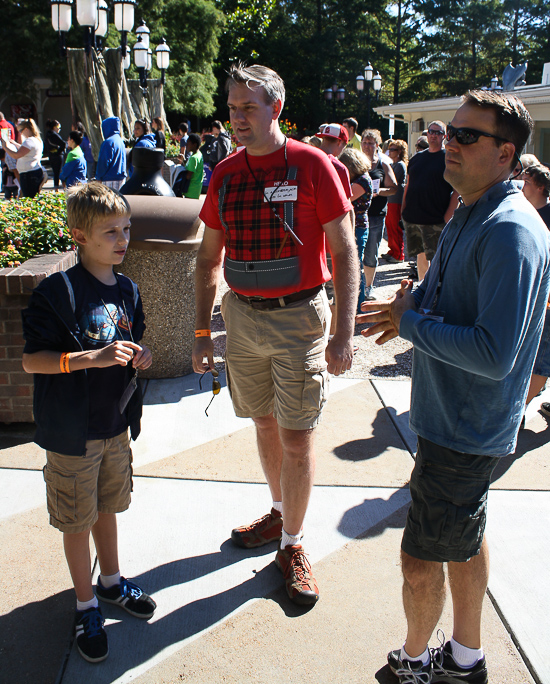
x=387, y=314
x=203, y=348
x=117, y=353
x=339, y=355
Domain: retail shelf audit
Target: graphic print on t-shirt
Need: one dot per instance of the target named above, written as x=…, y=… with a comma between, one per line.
x=99, y=322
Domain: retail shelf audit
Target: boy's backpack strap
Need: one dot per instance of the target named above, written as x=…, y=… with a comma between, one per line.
x=129, y=288
x=69, y=289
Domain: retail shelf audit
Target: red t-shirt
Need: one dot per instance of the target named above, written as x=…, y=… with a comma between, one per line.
x=253, y=232
x=343, y=174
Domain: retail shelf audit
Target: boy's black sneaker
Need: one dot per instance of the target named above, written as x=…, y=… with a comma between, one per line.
x=545, y=409
x=129, y=596
x=446, y=669
x=91, y=639
x=409, y=671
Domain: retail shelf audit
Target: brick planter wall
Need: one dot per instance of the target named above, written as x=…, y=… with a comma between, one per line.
x=16, y=285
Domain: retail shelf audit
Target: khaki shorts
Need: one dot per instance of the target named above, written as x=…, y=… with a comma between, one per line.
x=275, y=360
x=80, y=487
x=422, y=238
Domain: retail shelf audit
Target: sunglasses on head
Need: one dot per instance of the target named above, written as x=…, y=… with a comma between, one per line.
x=469, y=136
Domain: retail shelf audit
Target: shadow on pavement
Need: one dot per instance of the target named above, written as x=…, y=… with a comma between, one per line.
x=34, y=639
x=402, y=360
x=384, y=436
x=14, y=434
x=150, y=639
x=528, y=440
x=395, y=519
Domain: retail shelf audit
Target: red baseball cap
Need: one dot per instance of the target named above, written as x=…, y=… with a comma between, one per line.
x=333, y=131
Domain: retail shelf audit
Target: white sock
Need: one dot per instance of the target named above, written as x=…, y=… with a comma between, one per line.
x=84, y=605
x=108, y=581
x=424, y=657
x=278, y=506
x=290, y=539
x=464, y=656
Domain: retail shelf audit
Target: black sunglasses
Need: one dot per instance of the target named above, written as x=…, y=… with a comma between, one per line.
x=216, y=387
x=433, y=131
x=469, y=136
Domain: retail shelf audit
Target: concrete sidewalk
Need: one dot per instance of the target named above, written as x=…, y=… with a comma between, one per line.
x=222, y=614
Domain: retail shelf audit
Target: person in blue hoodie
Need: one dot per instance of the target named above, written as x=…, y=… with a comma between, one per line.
x=73, y=171
x=111, y=163
x=143, y=137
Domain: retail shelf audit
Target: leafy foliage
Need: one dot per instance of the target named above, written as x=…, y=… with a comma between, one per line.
x=422, y=48
x=33, y=226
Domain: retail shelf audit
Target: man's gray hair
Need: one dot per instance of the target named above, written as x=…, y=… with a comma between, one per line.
x=257, y=76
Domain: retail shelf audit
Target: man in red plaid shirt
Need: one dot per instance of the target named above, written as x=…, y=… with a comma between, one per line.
x=268, y=211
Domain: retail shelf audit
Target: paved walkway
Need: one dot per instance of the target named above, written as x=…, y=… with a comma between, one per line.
x=222, y=613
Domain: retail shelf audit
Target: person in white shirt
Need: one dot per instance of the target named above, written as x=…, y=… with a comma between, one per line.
x=28, y=155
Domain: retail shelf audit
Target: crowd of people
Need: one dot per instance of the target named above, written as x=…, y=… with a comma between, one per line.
x=272, y=212
x=25, y=153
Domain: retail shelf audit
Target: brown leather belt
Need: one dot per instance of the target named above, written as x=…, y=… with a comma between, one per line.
x=264, y=304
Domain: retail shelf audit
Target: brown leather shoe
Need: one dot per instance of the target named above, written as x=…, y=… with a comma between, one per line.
x=300, y=584
x=263, y=531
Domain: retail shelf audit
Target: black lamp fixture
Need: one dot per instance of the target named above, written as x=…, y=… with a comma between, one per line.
x=335, y=95
x=369, y=79
x=124, y=21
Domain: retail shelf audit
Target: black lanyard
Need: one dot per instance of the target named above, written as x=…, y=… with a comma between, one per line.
x=269, y=200
x=109, y=314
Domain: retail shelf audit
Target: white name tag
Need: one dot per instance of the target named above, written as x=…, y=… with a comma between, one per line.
x=281, y=191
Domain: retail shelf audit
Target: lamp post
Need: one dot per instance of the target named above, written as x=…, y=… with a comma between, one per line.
x=335, y=95
x=62, y=19
x=102, y=23
x=86, y=15
x=163, y=58
x=141, y=59
x=124, y=20
x=369, y=79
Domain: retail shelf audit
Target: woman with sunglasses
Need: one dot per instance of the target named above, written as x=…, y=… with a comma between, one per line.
x=398, y=152
x=28, y=155
x=384, y=185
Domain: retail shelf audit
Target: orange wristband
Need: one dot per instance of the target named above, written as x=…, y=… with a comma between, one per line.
x=64, y=362
x=202, y=333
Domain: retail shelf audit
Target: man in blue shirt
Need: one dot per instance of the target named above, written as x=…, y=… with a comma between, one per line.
x=475, y=323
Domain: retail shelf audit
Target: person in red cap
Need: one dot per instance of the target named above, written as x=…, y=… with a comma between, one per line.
x=334, y=139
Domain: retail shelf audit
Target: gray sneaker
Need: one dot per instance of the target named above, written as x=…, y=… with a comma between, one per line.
x=409, y=671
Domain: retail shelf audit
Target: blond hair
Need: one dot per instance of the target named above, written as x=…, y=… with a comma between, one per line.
x=356, y=162
x=29, y=125
x=90, y=203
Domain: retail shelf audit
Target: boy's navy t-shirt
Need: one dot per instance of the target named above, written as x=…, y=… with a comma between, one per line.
x=101, y=317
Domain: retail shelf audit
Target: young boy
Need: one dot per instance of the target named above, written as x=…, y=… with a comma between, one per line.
x=194, y=167
x=73, y=171
x=82, y=330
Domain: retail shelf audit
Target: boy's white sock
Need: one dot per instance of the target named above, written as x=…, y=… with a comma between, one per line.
x=278, y=506
x=464, y=656
x=290, y=539
x=84, y=605
x=424, y=657
x=108, y=581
